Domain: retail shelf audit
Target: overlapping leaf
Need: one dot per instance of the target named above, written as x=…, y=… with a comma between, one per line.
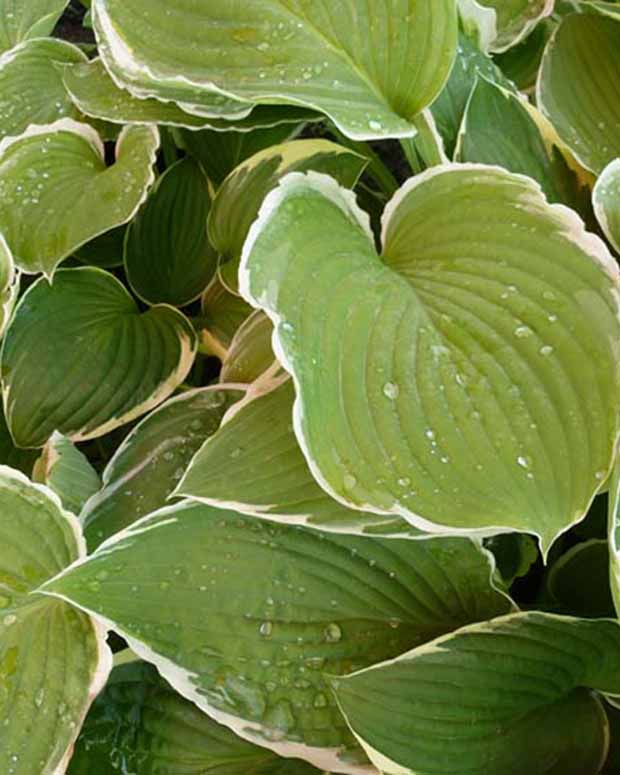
x=9, y=284
x=222, y=312
x=500, y=24
x=471, y=384
x=24, y=19
x=250, y=353
x=606, y=200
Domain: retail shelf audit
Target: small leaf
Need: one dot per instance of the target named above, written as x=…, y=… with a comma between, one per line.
x=24, y=19
x=53, y=659
x=444, y=398
x=93, y=362
x=9, y=285
x=249, y=354
x=223, y=312
x=506, y=695
x=148, y=465
x=578, y=582
x=168, y=258
x=43, y=226
x=500, y=24
x=243, y=617
x=606, y=201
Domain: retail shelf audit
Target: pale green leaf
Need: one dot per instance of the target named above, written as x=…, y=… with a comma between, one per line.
x=31, y=88
x=606, y=201
x=472, y=382
x=223, y=312
x=53, y=659
x=240, y=196
x=243, y=616
x=9, y=284
x=56, y=192
x=150, y=462
x=78, y=357
x=254, y=465
x=578, y=87
x=578, y=582
x=500, y=24
x=67, y=472
x=168, y=258
x=249, y=354
x=503, y=696
x=141, y=725
x=370, y=66
x=24, y=19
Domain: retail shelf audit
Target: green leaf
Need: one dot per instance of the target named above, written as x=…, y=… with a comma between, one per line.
x=168, y=258
x=10, y=455
x=223, y=312
x=92, y=361
x=249, y=354
x=148, y=465
x=253, y=464
x=578, y=583
x=240, y=196
x=613, y=535
x=56, y=192
x=94, y=92
x=606, y=201
x=577, y=87
x=252, y=655
x=499, y=128
x=469, y=373
x=67, y=472
x=503, y=696
x=332, y=58
x=500, y=24
x=140, y=724
x=104, y=251
x=515, y=553
x=31, y=88
x=9, y=284
x=521, y=63
x=24, y=19
x=53, y=659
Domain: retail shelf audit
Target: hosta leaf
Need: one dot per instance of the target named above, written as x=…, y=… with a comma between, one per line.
x=79, y=358
x=606, y=201
x=21, y=459
x=31, y=88
x=67, y=472
x=23, y=19
x=578, y=87
x=240, y=196
x=94, y=92
x=500, y=24
x=150, y=462
x=53, y=659
x=503, y=696
x=223, y=312
x=250, y=353
x=514, y=553
x=9, y=284
x=168, y=258
x=140, y=724
x=610, y=8
x=371, y=67
x=56, y=192
x=498, y=128
x=105, y=251
x=578, y=582
x=521, y=63
x=469, y=374
x=254, y=465
x=252, y=655
x=613, y=535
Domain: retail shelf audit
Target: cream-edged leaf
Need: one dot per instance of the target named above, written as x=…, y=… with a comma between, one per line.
x=606, y=201
x=24, y=19
x=250, y=353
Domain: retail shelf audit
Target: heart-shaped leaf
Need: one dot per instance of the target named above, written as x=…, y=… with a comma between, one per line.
x=250, y=353
x=252, y=655
x=168, y=258
x=333, y=58
x=31, y=88
x=150, y=462
x=53, y=659
x=79, y=357
x=140, y=724
x=500, y=24
x=43, y=226
x=503, y=696
x=24, y=19
x=254, y=465
x=470, y=374
x=606, y=201
x=577, y=87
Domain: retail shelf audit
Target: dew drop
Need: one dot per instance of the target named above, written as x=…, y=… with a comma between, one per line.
x=523, y=461
x=332, y=633
x=265, y=629
x=546, y=351
x=522, y=331
x=349, y=482
x=391, y=390
x=9, y=619
x=376, y=126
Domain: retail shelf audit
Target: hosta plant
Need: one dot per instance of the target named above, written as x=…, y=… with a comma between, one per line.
x=310, y=369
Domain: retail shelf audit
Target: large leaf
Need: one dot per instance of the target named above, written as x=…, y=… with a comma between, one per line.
x=150, y=462
x=370, y=66
x=23, y=19
x=168, y=258
x=243, y=616
x=31, y=88
x=500, y=24
x=250, y=353
x=578, y=87
x=53, y=659
x=606, y=200
x=240, y=196
x=504, y=697
x=94, y=92
x=79, y=358
x=56, y=192
x=254, y=465
x=469, y=373
x=139, y=724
